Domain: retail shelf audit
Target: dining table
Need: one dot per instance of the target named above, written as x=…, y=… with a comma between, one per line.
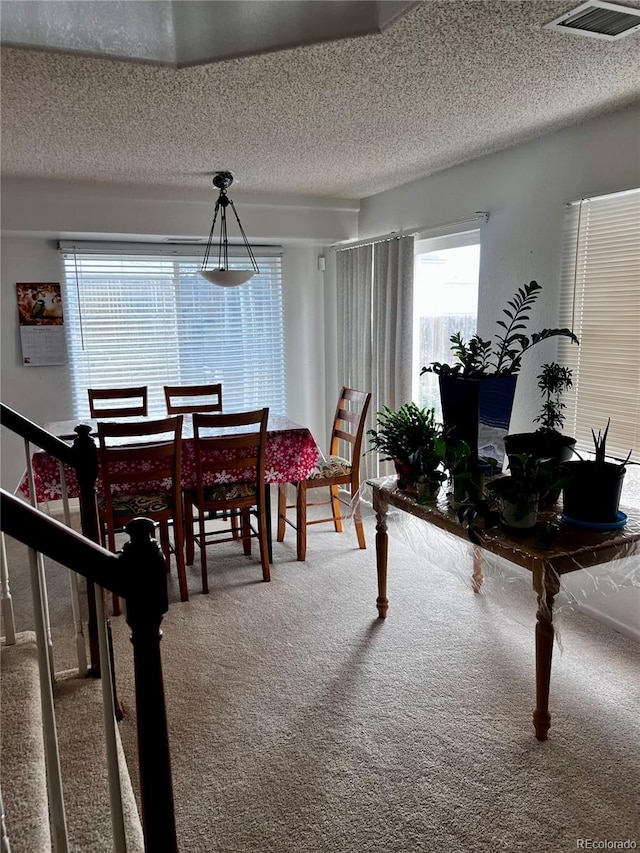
x=291, y=455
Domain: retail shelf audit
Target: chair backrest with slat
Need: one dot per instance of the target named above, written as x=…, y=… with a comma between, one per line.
x=204, y=398
x=141, y=457
x=120, y=410
x=349, y=423
x=235, y=449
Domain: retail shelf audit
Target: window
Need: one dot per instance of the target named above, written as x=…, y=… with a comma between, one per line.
x=600, y=301
x=142, y=315
x=445, y=301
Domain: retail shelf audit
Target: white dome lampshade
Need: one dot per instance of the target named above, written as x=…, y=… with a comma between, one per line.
x=227, y=278
x=221, y=274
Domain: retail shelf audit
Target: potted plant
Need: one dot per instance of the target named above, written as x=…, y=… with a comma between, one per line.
x=477, y=392
x=592, y=487
x=518, y=493
x=412, y=439
x=466, y=481
x=430, y=463
x=547, y=442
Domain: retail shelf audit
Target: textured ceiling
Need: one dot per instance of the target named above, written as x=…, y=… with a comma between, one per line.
x=449, y=81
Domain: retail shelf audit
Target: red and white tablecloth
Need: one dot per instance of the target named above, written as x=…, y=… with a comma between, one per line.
x=291, y=455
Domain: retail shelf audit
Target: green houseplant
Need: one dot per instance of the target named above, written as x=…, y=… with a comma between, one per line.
x=413, y=440
x=547, y=442
x=592, y=487
x=477, y=391
x=518, y=493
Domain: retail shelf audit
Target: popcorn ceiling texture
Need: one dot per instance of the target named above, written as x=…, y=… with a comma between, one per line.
x=448, y=82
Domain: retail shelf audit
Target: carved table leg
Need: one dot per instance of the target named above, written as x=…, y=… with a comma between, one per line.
x=477, y=576
x=382, y=541
x=546, y=584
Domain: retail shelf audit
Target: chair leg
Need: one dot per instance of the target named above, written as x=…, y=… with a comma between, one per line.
x=263, y=540
x=282, y=510
x=246, y=531
x=301, y=520
x=235, y=526
x=335, y=509
x=165, y=544
x=188, y=531
x=178, y=538
x=203, y=552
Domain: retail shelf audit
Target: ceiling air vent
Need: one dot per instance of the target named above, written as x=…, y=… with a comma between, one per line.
x=599, y=20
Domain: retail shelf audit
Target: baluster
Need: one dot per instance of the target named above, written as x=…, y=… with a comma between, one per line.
x=86, y=467
x=8, y=619
x=5, y=847
x=108, y=705
x=52, y=756
x=73, y=584
x=42, y=585
x=144, y=567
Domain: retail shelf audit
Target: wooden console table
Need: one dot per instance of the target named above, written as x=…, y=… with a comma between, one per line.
x=572, y=549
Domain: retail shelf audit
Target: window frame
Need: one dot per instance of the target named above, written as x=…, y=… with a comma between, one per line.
x=204, y=333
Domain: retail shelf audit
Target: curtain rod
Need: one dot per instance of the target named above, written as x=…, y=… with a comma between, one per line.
x=478, y=216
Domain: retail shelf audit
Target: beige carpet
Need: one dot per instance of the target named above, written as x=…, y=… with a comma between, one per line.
x=300, y=722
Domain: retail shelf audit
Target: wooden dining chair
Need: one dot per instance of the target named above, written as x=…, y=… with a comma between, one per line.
x=334, y=472
x=230, y=478
x=140, y=468
x=204, y=398
x=136, y=397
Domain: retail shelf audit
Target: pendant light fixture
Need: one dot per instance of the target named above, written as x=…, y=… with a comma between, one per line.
x=221, y=274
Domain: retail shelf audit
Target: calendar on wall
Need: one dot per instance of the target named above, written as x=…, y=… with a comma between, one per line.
x=41, y=324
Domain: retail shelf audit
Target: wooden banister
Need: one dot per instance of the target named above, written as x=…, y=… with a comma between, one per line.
x=138, y=574
x=62, y=544
x=35, y=434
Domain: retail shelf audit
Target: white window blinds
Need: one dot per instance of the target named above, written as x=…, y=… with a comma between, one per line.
x=142, y=315
x=600, y=301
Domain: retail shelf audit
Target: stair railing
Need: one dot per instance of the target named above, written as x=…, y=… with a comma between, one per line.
x=152, y=735
x=82, y=456
x=137, y=574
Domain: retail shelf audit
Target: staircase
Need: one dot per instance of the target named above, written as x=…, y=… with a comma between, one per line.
x=78, y=708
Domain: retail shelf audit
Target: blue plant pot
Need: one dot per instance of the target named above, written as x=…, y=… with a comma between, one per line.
x=478, y=411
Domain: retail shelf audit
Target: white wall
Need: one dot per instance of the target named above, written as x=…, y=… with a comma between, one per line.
x=37, y=213
x=525, y=189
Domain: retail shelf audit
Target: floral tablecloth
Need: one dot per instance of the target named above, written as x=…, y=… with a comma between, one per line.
x=291, y=455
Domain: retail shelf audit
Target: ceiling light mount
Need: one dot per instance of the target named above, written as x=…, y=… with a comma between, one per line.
x=221, y=274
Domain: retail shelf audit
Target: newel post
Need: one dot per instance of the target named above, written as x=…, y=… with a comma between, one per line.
x=144, y=568
x=86, y=467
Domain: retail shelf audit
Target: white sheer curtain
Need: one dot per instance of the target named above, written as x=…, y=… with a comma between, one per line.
x=375, y=328
x=392, y=326
x=353, y=279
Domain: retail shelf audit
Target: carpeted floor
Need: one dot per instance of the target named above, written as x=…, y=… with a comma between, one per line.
x=300, y=722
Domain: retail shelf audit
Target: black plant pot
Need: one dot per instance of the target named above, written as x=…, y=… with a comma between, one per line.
x=478, y=411
x=592, y=491
x=542, y=445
